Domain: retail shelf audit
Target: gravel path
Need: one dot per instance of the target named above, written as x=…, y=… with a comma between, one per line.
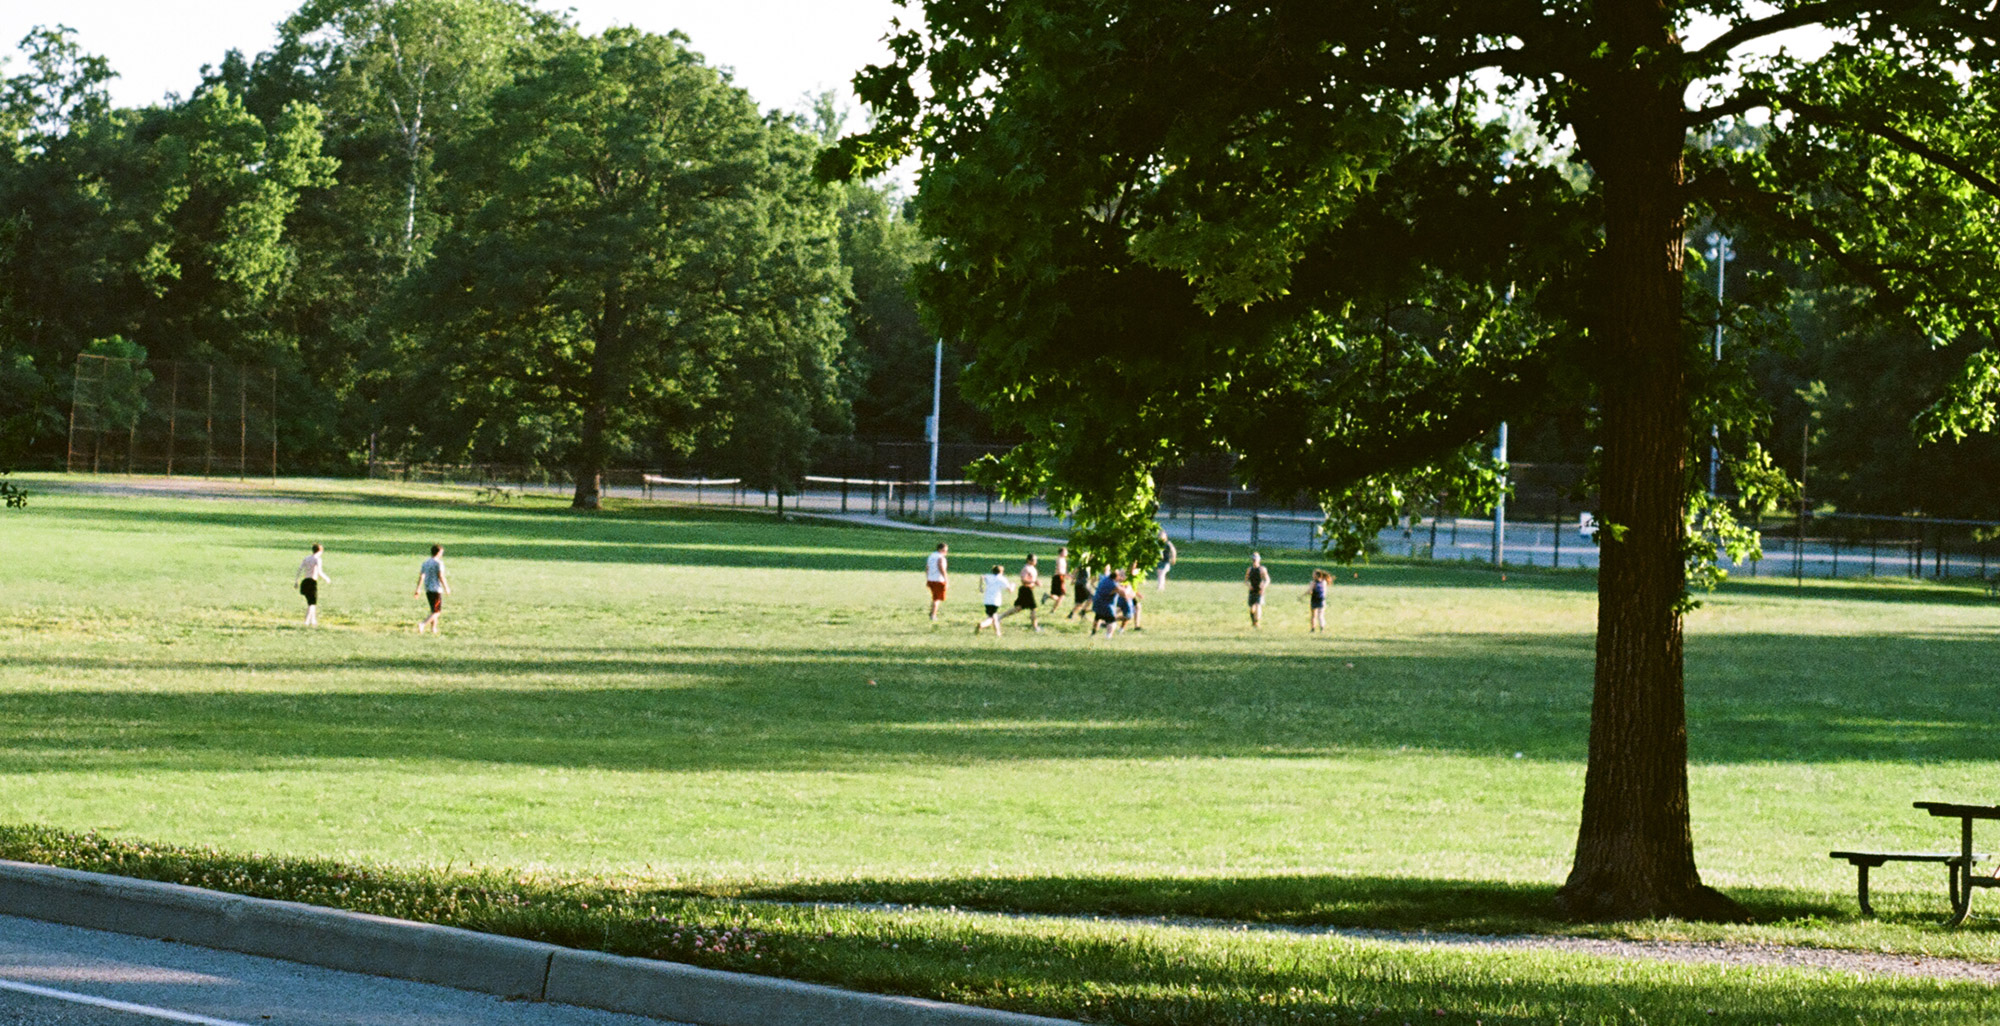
x=1717, y=953
x=1870, y=963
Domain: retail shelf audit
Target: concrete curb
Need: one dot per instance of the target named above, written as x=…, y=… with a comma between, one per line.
x=506, y=966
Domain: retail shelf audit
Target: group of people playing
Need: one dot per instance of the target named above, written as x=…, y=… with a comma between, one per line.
x=1110, y=597
x=431, y=584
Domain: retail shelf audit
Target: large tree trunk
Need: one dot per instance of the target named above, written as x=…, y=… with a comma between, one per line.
x=1634, y=849
x=605, y=386
x=590, y=455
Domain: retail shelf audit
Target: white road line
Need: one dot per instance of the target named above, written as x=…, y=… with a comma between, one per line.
x=117, y=1006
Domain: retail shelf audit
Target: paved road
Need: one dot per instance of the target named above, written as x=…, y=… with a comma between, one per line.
x=64, y=976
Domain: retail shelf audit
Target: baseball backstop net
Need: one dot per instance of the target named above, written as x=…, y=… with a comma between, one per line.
x=172, y=417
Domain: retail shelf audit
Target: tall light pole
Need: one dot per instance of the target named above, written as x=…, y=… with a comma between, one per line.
x=1500, y=507
x=1719, y=254
x=931, y=424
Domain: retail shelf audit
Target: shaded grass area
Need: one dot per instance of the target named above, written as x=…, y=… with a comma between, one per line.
x=1102, y=971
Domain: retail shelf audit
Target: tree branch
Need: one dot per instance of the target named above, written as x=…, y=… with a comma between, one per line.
x=1903, y=140
x=1740, y=104
x=1783, y=21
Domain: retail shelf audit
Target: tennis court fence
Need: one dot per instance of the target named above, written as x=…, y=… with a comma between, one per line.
x=1820, y=545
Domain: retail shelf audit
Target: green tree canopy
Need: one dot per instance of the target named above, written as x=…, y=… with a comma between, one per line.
x=646, y=261
x=1289, y=228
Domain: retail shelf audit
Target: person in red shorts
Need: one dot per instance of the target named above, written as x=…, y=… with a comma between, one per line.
x=1059, y=586
x=432, y=585
x=935, y=579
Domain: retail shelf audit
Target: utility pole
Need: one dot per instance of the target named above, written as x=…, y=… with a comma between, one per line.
x=1500, y=507
x=931, y=424
x=1720, y=253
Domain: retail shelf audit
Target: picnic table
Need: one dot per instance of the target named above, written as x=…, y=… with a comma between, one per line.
x=1959, y=881
x=1962, y=879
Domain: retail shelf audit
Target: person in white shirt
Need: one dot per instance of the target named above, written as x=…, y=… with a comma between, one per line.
x=1059, y=586
x=934, y=577
x=994, y=588
x=312, y=570
x=432, y=585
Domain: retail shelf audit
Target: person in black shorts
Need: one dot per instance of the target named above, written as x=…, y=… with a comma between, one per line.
x=1059, y=586
x=432, y=583
x=312, y=570
x=1257, y=578
x=1031, y=578
x=1083, y=585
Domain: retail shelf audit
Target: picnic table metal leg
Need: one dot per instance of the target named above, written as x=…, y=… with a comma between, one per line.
x=1960, y=880
x=1866, y=909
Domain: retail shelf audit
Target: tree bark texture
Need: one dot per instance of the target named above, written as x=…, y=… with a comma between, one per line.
x=604, y=386
x=1635, y=849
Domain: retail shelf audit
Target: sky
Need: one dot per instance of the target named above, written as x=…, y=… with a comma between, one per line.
x=781, y=50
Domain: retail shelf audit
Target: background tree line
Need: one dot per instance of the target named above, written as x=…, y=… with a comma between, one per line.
x=460, y=229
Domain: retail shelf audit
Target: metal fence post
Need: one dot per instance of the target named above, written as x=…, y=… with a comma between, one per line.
x=1253, y=528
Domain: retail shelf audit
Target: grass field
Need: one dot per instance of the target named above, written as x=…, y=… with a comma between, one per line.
x=688, y=710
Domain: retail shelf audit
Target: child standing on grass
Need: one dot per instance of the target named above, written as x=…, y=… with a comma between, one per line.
x=432, y=585
x=312, y=570
x=994, y=586
x=1317, y=595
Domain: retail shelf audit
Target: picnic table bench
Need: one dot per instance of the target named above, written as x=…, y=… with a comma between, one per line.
x=1959, y=881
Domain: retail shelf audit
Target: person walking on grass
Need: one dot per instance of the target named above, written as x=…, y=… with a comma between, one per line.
x=1317, y=596
x=934, y=578
x=312, y=570
x=1167, y=556
x=1257, y=578
x=994, y=588
x=1031, y=578
x=433, y=586
x=1059, y=587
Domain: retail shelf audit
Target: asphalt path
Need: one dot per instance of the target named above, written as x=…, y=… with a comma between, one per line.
x=54, y=975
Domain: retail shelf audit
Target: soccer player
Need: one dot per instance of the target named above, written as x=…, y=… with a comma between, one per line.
x=994, y=586
x=312, y=570
x=1059, y=588
x=432, y=585
x=934, y=577
x=1257, y=578
x=1031, y=578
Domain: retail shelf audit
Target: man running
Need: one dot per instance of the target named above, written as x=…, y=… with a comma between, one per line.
x=1257, y=578
x=1059, y=587
x=934, y=577
x=1031, y=578
x=432, y=585
x=312, y=570
x=1167, y=556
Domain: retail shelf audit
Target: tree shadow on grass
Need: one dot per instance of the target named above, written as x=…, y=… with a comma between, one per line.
x=683, y=708
x=1302, y=900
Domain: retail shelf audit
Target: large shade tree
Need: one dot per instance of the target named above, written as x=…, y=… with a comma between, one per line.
x=1289, y=229
x=641, y=246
